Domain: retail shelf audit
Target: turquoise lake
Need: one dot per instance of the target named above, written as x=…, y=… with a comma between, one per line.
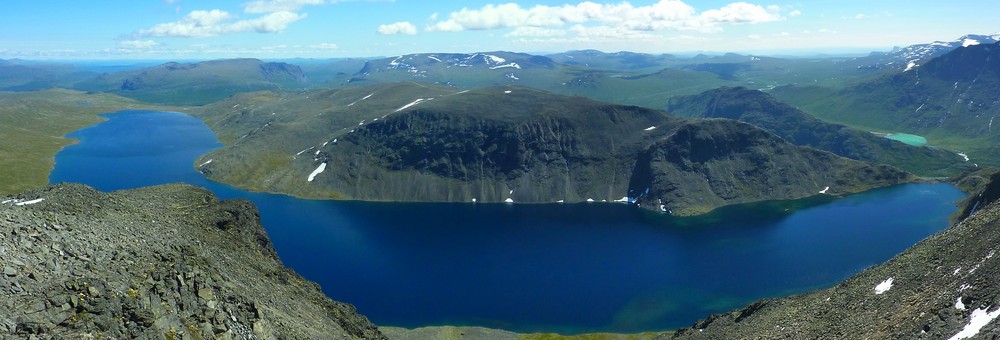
x=567, y=268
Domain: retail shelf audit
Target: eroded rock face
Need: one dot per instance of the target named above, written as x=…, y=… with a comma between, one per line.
x=168, y=262
x=944, y=286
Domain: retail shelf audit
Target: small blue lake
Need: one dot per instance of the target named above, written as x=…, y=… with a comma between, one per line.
x=569, y=268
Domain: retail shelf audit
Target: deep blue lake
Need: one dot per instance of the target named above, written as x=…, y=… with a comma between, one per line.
x=568, y=268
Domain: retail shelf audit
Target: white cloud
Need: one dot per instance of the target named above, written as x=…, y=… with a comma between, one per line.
x=742, y=12
x=168, y=2
x=535, y=32
x=663, y=15
x=325, y=46
x=271, y=6
x=138, y=44
x=402, y=27
x=201, y=24
x=795, y=13
x=754, y=37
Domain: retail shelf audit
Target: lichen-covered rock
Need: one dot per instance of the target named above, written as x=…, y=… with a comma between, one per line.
x=166, y=262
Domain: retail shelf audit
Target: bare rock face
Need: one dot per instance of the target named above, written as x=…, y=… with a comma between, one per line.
x=165, y=262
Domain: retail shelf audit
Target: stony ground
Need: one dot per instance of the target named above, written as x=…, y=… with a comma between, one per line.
x=166, y=262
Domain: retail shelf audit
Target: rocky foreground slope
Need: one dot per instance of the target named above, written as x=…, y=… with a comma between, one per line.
x=944, y=287
x=166, y=262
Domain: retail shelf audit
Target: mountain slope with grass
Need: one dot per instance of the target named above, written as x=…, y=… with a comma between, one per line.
x=32, y=126
x=952, y=100
x=413, y=142
x=198, y=83
x=799, y=128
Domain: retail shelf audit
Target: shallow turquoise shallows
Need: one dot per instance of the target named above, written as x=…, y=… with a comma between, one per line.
x=568, y=268
x=913, y=140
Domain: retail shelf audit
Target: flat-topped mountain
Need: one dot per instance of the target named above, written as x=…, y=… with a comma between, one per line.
x=457, y=69
x=198, y=83
x=161, y=262
x=421, y=143
x=799, y=128
x=620, y=61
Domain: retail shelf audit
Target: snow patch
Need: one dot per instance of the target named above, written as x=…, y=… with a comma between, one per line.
x=365, y=97
x=435, y=59
x=824, y=190
x=473, y=199
x=513, y=65
x=883, y=287
x=415, y=102
x=507, y=92
x=910, y=66
x=623, y=200
x=651, y=128
x=969, y=42
x=494, y=59
x=590, y=200
x=29, y=202
x=561, y=201
x=959, y=305
x=206, y=163
x=304, y=151
x=509, y=200
x=964, y=156
x=318, y=170
x=979, y=319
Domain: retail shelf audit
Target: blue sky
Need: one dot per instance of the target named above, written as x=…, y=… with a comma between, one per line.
x=187, y=29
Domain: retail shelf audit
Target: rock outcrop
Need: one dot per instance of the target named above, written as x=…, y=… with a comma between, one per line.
x=165, y=262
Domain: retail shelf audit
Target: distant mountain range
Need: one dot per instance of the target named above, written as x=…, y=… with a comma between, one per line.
x=198, y=83
x=952, y=98
x=412, y=142
x=908, y=57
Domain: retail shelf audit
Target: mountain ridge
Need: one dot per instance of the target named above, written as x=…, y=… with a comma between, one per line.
x=514, y=144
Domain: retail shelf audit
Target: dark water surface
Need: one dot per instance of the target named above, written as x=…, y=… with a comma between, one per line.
x=567, y=268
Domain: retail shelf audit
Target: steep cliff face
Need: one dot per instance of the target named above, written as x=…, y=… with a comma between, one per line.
x=943, y=287
x=162, y=262
x=543, y=150
x=705, y=164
